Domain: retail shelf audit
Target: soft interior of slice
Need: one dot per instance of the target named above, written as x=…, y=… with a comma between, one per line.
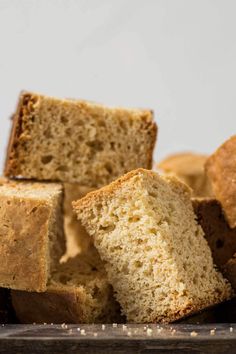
x=156, y=257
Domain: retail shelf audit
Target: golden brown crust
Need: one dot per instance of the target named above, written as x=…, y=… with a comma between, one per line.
x=22, y=246
x=189, y=168
x=221, y=170
x=114, y=186
x=220, y=237
x=11, y=166
x=28, y=231
x=186, y=163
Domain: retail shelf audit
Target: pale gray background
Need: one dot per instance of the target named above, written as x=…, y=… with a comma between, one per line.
x=177, y=57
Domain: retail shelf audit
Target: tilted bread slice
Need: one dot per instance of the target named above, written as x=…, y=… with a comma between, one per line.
x=189, y=168
x=31, y=233
x=221, y=169
x=155, y=253
x=220, y=237
x=78, y=293
x=77, y=141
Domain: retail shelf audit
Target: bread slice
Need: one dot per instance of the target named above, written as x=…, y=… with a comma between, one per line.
x=189, y=168
x=221, y=169
x=78, y=293
x=155, y=253
x=31, y=230
x=77, y=239
x=229, y=271
x=220, y=237
x=77, y=141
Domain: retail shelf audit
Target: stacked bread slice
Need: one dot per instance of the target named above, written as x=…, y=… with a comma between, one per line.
x=134, y=248
x=58, y=151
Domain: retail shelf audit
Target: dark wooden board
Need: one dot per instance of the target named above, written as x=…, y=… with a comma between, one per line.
x=178, y=338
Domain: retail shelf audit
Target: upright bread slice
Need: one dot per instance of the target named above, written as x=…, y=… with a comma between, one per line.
x=155, y=253
x=78, y=293
x=77, y=239
x=220, y=237
x=221, y=169
x=31, y=233
x=77, y=141
x=189, y=168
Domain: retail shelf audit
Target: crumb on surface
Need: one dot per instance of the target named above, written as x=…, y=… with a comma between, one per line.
x=193, y=334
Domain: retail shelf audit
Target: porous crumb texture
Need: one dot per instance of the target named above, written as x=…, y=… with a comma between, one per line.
x=189, y=168
x=31, y=229
x=221, y=170
x=78, y=293
x=155, y=253
x=77, y=141
x=77, y=239
x=220, y=237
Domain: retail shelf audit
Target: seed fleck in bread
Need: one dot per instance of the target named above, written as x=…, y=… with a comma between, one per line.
x=220, y=237
x=77, y=141
x=155, y=253
x=31, y=229
x=189, y=168
x=221, y=169
x=78, y=293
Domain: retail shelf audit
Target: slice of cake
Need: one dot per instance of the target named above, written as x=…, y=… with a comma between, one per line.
x=220, y=237
x=77, y=141
x=31, y=233
x=155, y=253
x=77, y=239
x=221, y=169
x=189, y=168
x=78, y=293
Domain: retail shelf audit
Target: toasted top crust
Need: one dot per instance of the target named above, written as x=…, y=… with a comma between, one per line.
x=31, y=190
x=108, y=190
x=221, y=169
x=187, y=163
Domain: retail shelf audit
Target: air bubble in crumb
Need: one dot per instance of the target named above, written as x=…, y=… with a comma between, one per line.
x=212, y=332
x=193, y=334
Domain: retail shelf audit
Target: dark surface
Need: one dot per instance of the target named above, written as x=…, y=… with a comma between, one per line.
x=178, y=338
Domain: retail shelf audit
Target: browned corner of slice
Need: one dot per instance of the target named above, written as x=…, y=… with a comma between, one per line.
x=220, y=237
x=31, y=229
x=78, y=141
x=189, y=168
x=155, y=253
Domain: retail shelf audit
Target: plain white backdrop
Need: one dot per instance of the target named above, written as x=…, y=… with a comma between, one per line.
x=177, y=57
